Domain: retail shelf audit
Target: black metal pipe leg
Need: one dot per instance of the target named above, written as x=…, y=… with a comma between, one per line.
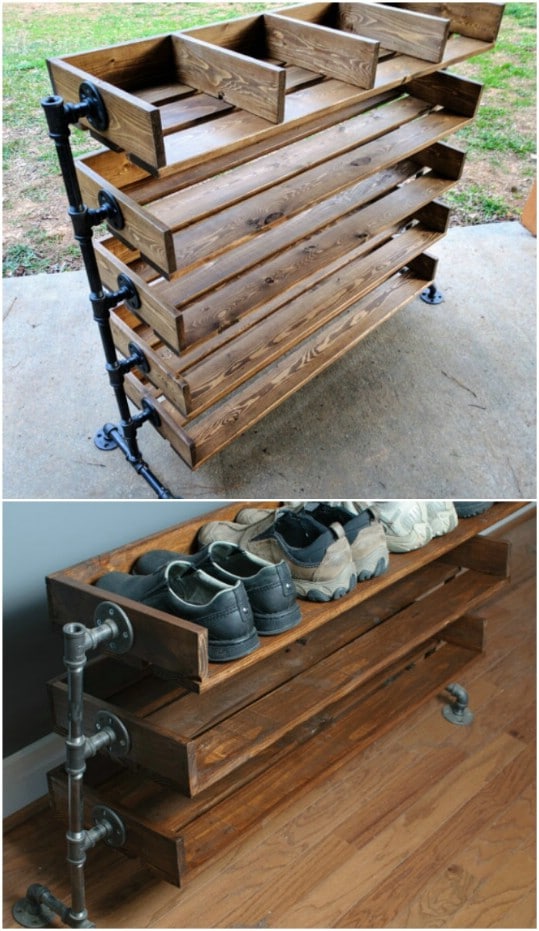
x=432, y=295
x=124, y=436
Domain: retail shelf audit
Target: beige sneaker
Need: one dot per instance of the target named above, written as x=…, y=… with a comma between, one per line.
x=319, y=557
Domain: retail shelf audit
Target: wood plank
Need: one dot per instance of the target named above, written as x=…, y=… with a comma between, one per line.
x=417, y=34
x=484, y=555
x=164, y=93
x=159, y=751
x=326, y=100
x=283, y=277
x=170, y=643
x=154, y=311
x=256, y=86
x=179, y=209
x=475, y=20
x=127, y=64
x=468, y=631
x=449, y=91
x=219, y=374
x=181, y=114
x=348, y=58
x=237, y=739
x=255, y=218
x=214, y=431
x=134, y=125
x=147, y=234
x=220, y=315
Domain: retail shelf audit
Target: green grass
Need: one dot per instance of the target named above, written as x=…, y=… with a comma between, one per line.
x=478, y=202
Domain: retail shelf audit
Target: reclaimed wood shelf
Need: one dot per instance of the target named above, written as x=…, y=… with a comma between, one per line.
x=191, y=95
x=210, y=758
x=277, y=182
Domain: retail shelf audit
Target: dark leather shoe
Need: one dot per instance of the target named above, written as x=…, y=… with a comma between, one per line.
x=181, y=589
x=269, y=587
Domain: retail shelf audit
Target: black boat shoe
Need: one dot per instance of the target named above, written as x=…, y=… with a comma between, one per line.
x=189, y=593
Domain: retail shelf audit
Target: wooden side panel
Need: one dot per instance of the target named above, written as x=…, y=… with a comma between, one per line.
x=143, y=231
x=165, y=376
x=467, y=632
x=456, y=94
x=133, y=124
x=245, y=82
x=483, y=555
x=150, y=745
x=345, y=57
x=155, y=311
x=161, y=639
x=474, y=20
x=163, y=851
x=416, y=34
x=130, y=65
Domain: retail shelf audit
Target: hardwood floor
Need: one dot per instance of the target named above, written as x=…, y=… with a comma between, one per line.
x=431, y=826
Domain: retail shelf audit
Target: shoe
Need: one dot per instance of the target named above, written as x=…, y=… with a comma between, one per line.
x=319, y=558
x=442, y=516
x=405, y=522
x=471, y=508
x=191, y=594
x=364, y=533
x=269, y=587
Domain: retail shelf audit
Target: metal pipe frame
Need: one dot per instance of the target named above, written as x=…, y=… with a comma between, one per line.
x=113, y=630
x=59, y=116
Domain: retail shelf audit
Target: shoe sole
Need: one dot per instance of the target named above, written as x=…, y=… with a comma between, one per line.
x=268, y=625
x=222, y=651
x=367, y=572
x=324, y=592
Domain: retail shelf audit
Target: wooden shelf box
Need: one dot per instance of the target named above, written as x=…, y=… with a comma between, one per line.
x=219, y=738
x=278, y=180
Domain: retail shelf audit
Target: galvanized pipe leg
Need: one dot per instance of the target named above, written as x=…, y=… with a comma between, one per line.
x=39, y=906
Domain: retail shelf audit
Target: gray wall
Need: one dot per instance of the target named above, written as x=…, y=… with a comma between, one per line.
x=43, y=537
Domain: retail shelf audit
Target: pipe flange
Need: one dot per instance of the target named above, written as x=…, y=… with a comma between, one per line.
x=114, y=214
x=458, y=711
x=431, y=295
x=108, y=611
x=32, y=914
x=103, y=439
x=96, y=113
x=132, y=297
x=122, y=742
x=116, y=836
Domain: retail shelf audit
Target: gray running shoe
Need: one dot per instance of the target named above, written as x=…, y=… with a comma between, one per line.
x=364, y=533
x=191, y=594
x=471, y=508
x=319, y=558
x=269, y=587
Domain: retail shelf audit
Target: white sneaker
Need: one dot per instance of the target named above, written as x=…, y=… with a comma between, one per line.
x=406, y=523
x=442, y=517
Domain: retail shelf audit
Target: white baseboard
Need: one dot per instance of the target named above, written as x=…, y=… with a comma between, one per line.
x=25, y=772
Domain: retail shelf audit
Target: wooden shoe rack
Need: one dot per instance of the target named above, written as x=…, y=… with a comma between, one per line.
x=214, y=747
x=271, y=187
